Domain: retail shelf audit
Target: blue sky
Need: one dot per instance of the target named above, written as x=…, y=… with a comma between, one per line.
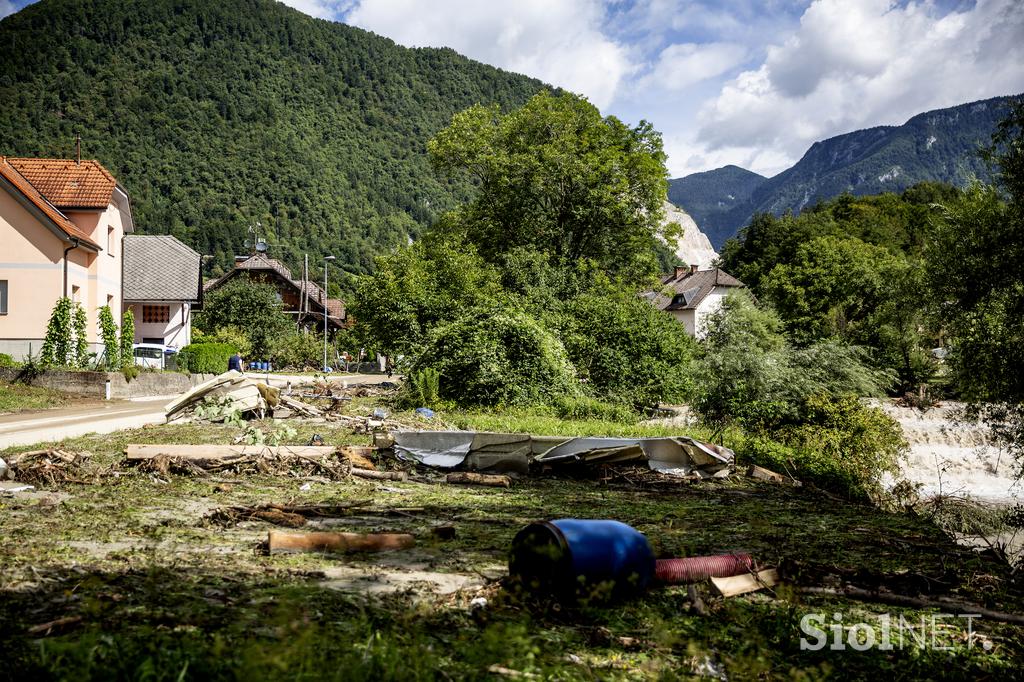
x=726, y=81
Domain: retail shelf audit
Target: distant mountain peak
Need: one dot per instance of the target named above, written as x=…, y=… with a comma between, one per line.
x=940, y=145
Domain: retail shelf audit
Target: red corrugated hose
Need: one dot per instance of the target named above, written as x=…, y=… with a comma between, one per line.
x=696, y=568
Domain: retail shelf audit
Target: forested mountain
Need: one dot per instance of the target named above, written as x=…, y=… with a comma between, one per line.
x=940, y=145
x=215, y=115
x=711, y=196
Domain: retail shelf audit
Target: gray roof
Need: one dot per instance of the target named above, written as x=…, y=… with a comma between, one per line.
x=684, y=290
x=159, y=268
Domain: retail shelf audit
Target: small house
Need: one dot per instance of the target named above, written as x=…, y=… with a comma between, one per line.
x=162, y=287
x=691, y=295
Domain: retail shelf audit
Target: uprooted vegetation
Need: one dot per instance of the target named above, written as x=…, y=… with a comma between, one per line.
x=160, y=571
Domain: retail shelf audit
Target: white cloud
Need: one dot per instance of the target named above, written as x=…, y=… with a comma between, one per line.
x=852, y=65
x=559, y=42
x=681, y=65
x=322, y=9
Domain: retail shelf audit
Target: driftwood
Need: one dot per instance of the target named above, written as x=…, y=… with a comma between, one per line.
x=291, y=515
x=46, y=628
x=473, y=478
x=380, y=475
x=358, y=455
x=884, y=597
x=279, y=541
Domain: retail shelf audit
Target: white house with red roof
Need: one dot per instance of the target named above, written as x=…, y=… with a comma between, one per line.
x=61, y=226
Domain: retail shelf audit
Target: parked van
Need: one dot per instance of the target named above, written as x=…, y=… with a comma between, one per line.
x=154, y=356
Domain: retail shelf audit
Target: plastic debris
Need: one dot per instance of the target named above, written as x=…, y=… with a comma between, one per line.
x=425, y=412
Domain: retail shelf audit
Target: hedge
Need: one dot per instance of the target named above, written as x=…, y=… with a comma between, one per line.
x=205, y=358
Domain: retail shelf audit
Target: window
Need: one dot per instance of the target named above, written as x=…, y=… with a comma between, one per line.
x=156, y=314
x=3, y=296
x=158, y=340
x=110, y=241
x=76, y=293
x=110, y=302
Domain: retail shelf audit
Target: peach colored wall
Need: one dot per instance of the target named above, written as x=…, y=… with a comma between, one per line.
x=105, y=267
x=31, y=260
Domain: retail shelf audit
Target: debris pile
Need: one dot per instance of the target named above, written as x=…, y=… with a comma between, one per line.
x=515, y=452
x=201, y=460
x=233, y=392
x=46, y=467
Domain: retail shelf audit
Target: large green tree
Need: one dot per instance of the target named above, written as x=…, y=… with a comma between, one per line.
x=249, y=306
x=557, y=177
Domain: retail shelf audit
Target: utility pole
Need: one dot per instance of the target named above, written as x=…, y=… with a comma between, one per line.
x=327, y=261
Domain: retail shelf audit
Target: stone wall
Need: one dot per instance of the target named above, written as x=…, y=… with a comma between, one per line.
x=147, y=384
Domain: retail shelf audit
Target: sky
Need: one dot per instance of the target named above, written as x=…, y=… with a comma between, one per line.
x=745, y=82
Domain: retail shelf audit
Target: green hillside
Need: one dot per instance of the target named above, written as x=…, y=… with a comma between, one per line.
x=710, y=197
x=215, y=115
x=936, y=146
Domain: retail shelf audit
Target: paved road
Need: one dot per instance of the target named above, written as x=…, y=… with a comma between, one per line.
x=70, y=422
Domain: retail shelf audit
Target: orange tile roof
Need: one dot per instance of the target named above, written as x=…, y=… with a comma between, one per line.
x=11, y=174
x=67, y=184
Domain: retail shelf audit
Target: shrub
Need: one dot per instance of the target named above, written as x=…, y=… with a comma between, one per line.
x=627, y=350
x=499, y=357
x=108, y=332
x=296, y=349
x=424, y=387
x=57, y=342
x=7, y=361
x=81, y=343
x=205, y=358
x=127, y=339
x=844, y=446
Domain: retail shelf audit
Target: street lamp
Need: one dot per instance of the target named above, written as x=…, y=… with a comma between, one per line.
x=327, y=260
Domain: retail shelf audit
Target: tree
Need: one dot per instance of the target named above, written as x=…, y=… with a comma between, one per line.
x=557, y=177
x=250, y=306
x=57, y=342
x=108, y=333
x=975, y=268
x=127, y=338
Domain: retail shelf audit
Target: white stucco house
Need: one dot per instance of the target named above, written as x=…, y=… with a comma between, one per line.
x=162, y=286
x=691, y=295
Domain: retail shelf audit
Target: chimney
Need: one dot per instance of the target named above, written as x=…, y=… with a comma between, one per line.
x=693, y=268
x=680, y=271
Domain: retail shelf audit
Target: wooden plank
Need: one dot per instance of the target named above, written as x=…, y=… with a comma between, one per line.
x=209, y=452
x=748, y=582
x=280, y=541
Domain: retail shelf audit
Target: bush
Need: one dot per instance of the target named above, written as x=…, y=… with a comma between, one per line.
x=499, y=357
x=627, y=350
x=299, y=350
x=205, y=358
x=249, y=307
x=843, y=445
x=7, y=361
x=424, y=388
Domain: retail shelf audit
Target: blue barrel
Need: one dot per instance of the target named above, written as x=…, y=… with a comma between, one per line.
x=582, y=559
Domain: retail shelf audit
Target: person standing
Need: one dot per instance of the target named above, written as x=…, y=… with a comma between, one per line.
x=235, y=363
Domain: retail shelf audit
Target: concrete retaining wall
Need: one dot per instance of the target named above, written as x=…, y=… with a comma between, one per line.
x=147, y=384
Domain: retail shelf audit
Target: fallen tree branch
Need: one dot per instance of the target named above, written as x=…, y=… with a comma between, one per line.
x=379, y=475
x=884, y=597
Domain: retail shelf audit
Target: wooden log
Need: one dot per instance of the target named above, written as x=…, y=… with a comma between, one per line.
x=946, y=605
x=380, y=475
x=473, y=478
x=763, y=474
x=747, y=582
x=358, y=456
x=279, y=541
x=200, y=453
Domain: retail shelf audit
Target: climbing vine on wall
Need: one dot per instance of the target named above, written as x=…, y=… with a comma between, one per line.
x=81, y=343
x=57, y=343
x=108, y=330
x=127, y=338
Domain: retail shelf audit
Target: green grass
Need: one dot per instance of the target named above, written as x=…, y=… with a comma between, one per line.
x=17, y=397
x=163, y=593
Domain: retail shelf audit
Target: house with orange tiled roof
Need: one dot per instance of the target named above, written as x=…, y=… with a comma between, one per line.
x=61, y=227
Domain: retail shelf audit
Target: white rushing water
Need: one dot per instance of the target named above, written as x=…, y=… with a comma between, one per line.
x=953, y=457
